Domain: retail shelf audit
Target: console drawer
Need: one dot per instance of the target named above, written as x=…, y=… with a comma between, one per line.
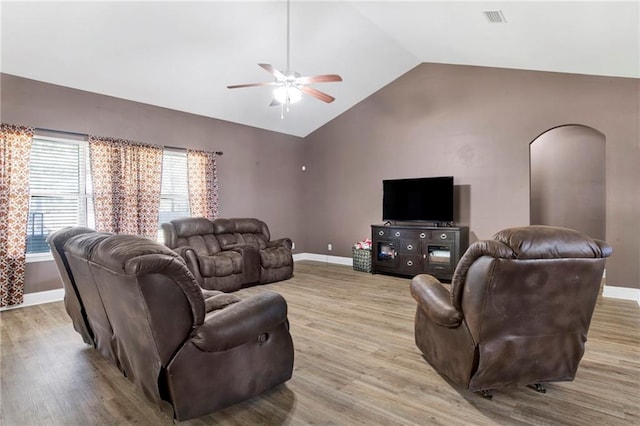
x=408, y=247
x=436, y=235
x=380, y=232
x=410, y=264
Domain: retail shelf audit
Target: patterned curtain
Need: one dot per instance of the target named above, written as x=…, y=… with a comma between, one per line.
x=203, y=184
x=126, y=179
x=15, y=149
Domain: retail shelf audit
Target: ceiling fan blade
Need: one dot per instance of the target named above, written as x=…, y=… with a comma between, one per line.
x=317, y=94
x=238, y=86
x=275, y=102
x=271, y=70
x=327, y=78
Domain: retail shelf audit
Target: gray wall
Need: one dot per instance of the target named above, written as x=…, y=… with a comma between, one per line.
x=473, y=123
x=476, y=124
x=259, y=174
x=568, y=180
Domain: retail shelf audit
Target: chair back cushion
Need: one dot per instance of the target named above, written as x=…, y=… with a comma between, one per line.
x=549, y=242
x=194, y=232
x=231, y=232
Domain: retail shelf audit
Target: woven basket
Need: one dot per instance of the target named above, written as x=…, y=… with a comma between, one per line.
x=362, y=260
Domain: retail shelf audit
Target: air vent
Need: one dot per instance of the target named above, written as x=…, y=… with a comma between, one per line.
x=495, y=16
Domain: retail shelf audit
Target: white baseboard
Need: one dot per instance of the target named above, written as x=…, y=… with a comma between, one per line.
x=609, y=291
x=625, y=293
x=38, y=298
x=323, y=258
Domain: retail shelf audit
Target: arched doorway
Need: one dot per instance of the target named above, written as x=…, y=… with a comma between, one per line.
x=568, y=179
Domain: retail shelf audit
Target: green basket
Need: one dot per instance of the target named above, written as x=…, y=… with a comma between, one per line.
x=362, y=260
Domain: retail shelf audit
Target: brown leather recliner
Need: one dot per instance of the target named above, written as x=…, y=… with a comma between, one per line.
x=191, y=351
x=227, y=254
x=518, y=310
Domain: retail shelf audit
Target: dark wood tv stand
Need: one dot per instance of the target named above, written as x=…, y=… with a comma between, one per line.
x=410, y=250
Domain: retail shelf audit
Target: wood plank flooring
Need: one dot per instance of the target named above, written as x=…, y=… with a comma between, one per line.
x=356, y=364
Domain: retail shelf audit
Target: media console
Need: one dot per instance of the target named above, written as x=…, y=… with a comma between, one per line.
x=411, y=250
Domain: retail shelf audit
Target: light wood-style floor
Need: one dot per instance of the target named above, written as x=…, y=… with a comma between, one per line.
x=356, y=363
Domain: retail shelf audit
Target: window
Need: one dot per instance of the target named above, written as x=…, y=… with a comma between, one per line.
x=60, y=194
x=60, y=190
x=174, y=195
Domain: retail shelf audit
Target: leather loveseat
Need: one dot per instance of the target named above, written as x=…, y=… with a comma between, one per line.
x=517, y=312
x=227, y=254
x=191, y=351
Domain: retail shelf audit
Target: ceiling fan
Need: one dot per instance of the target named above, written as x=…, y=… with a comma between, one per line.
x=290, y=85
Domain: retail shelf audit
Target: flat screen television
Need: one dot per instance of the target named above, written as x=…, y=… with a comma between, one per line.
x=421, y=199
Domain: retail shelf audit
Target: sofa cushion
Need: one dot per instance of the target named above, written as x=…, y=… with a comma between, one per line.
x=220, y=264
x=255, y=240
x=231, y=232
x=191, y=226
x=275, y=257
x=203, y=245
x=228, y=241
x=245, y=226
x=223, y=226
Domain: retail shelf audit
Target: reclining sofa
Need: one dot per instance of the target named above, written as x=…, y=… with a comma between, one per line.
x=191, y=351
x=227, y=254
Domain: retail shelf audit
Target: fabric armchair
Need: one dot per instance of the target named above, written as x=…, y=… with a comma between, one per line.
x=517, y=311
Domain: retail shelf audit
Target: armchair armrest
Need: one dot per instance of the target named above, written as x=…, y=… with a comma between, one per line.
x=191, y=259
x=240, y=322
x=282, y=242
x=170, y=237
x=435, y=300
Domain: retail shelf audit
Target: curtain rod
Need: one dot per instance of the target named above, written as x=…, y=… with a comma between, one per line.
x=175, y=147
x=64, y=132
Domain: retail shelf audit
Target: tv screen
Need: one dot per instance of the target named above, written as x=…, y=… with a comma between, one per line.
x=421, y=199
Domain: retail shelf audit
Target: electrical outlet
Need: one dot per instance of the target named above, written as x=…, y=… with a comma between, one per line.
x=293, y=246
x=329, y=247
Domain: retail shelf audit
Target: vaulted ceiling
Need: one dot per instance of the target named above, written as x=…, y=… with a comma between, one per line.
x=182, y=55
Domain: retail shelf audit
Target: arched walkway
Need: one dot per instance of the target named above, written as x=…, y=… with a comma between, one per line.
x=568, y=179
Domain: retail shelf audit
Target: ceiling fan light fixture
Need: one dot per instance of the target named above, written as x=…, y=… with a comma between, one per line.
x=290, y=85
x=287, y=94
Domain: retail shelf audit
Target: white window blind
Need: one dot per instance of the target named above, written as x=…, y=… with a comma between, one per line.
x=61, y=191
x=174, y=197
x=58, y=180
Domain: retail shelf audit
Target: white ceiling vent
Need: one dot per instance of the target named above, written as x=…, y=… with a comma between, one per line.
x=495, y=16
